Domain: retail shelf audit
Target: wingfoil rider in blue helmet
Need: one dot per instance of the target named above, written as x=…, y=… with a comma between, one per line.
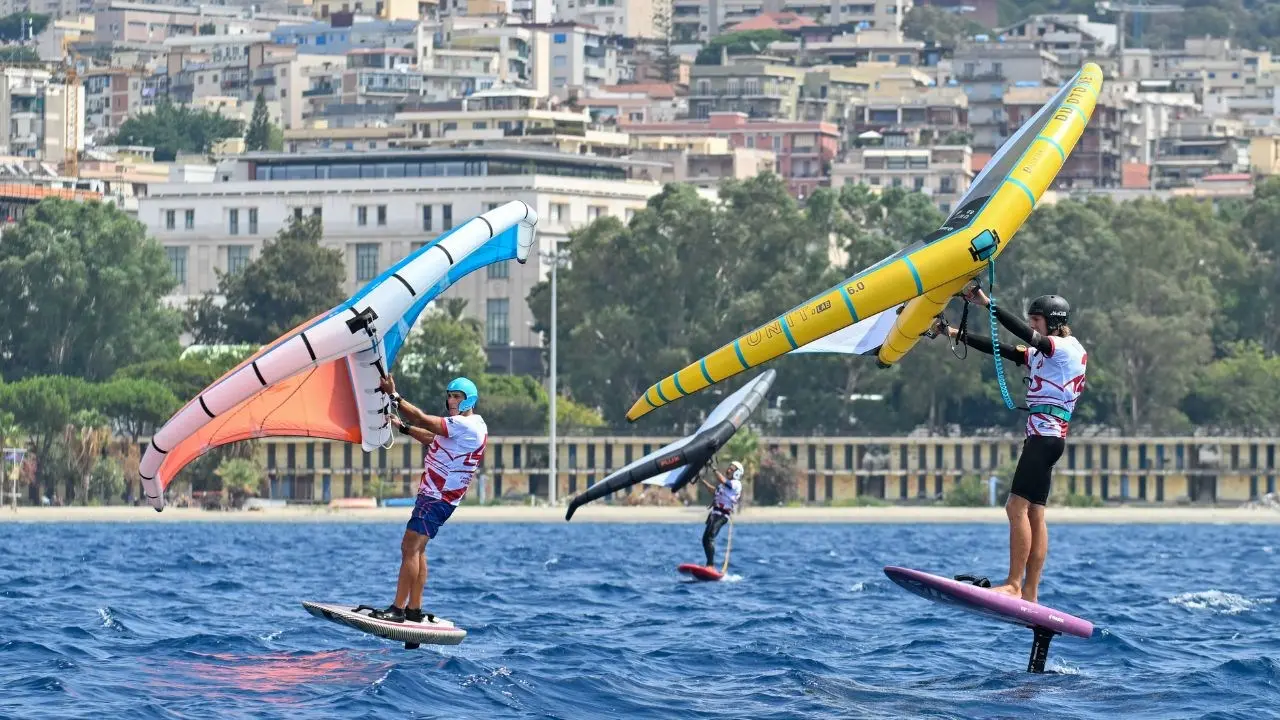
x=455, y=448
x=1056, y=362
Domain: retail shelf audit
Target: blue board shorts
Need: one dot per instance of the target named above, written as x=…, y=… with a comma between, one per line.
x=428, y=515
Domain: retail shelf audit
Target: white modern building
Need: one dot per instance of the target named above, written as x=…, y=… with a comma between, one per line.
x=379, y=206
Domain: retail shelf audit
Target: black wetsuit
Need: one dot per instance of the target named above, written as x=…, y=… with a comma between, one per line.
x=1032, y=478
x=715, y=520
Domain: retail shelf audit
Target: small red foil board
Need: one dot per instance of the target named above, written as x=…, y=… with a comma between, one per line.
x=701, y=572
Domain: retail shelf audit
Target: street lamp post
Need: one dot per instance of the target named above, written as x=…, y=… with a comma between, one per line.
x=551, y=486
x=555, y=258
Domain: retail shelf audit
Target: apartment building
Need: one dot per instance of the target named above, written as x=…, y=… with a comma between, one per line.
x=1108, y=142
x=758, y=89
x=804, y=150
x=695, y=22
x=34, y=105
x=943, y=172
x=628, y=18
x=378, y=206
x=985, y=69
x=111, y=95
x=1072, y=38
x=512, y=115
x=581, y=56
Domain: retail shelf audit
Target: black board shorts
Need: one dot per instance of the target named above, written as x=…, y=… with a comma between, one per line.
x=1035, y=468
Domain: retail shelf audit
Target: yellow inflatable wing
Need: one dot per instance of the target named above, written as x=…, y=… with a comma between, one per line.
x=924, y=275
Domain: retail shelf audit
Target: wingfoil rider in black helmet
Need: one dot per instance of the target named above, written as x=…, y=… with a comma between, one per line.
x=1056, y=363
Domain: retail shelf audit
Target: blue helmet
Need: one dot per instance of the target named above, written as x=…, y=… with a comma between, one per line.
x=470, y=393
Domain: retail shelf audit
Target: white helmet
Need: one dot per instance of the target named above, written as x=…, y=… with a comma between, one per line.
x=736, y=470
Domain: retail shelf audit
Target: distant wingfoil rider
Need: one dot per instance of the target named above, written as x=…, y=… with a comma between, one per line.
x=1056, y=362
x=728, y=493
x=455, y=448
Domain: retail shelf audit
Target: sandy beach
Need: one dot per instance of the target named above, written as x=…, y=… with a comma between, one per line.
x=648, y=514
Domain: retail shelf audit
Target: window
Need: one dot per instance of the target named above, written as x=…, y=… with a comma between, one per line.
x=189, y=219
x=297, y=213
x=233, y=221
x=560, y=212
x=237, y=258
x=426, y=218
x=560, y=38
x=499, y=271
x=630, y=213
x=497, y=330
x=253, y=221
x=446, y=216
x=178, y=263
x=594, y=212
x=382, y=216
x=491, y=206
x=170, y=219
x=362, y=215
x=366, y=262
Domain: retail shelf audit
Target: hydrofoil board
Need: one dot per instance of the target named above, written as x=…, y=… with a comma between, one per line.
x=700, y=572
x=1045, y=621
x=430, y=631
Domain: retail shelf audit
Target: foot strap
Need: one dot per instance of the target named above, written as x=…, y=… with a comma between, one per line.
x=977, y=580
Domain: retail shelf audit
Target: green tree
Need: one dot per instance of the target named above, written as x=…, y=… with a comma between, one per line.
x=708, y=270
x=44, y=407
x=22, y=26
x=440, y=348
x=1238, y=394
x=106, y=482
x=172, y=129
x=9, y=435
x=19, y=54
x=258, y=135
x=746, y=42
x=185, y=377
x=292, y=281
x=744, y=447
x=519, y=405
x=136, y=407
x=80, y=291
x=776, y=482
x=241, y=479
x=84, y=441
x=936, y=24
x=667, y=62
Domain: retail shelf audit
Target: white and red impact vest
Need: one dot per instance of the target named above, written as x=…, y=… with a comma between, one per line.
x=1055, y=380
x=451, y=461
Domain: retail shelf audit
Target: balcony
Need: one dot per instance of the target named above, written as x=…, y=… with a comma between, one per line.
x=319, y=90
x=981, y=76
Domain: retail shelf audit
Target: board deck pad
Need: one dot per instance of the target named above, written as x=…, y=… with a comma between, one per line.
x=439, y=632
x=988, y=603
x=701, y=572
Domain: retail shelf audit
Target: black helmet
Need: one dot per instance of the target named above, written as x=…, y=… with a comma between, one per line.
x=1052, y=308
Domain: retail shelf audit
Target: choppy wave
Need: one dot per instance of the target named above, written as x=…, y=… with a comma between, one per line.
x=592, y=621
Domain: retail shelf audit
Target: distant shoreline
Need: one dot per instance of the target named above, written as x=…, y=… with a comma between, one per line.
x=649, y=514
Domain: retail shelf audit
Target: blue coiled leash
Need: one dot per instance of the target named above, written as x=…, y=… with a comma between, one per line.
x=983, y=247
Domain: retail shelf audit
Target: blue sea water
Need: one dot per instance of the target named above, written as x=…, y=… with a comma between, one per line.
x=591, y=621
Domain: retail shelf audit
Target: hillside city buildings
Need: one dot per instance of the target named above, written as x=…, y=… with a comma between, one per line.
x=399, y=118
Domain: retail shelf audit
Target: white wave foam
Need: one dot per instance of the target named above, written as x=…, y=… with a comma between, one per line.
x=1220, y=602
x=858, y=587
x=109, y=620
x=1060, y=667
